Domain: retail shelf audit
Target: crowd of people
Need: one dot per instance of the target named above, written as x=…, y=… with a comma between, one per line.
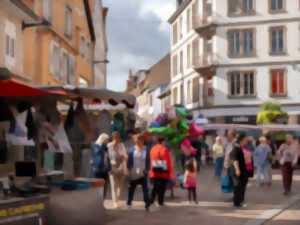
x=149, y=159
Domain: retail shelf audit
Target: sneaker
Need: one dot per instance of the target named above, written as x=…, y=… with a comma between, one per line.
x=129, y=206
x=196, y=202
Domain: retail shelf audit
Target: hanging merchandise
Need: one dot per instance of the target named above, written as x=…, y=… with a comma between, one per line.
x=69, y=122
x=20, y=134
x=103, y=122
x=119, y=124
x=7, y=115
x=31, y=126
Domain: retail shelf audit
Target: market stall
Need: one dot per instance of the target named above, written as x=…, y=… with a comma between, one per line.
x=36, y=135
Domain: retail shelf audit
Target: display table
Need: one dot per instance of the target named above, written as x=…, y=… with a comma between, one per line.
x=24, y=211
x=77, y=207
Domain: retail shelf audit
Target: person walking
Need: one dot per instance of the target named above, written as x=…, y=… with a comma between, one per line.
x=196, y=144
x=138, y=166
x=100, y=163
x=262, y=162
x=118, y=160
x=288, y=158
x=218, y=153
x=161, y=170
x=238, y=172
x=229, y=147
x=190, y=180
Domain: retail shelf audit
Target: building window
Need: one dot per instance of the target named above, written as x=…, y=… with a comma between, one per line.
x=278, y=82
x=208, y=7
x=180, y=28
x=181, y=94
x=241, y=7
x=55, y=60
x=241, y=43
x=195, y=49
x=175, y=65
x=188, y=19
x=276, y=6
x=189, y=90
x=47, y=9
x=175, y=33
x=150, y=100
x=88, y=52
x=82, y=47
x=241, y=84
x=196, y=90
x=188, y=52
x=10, y=46
x=68, y=22
x=277, y=40
x=175, y=96
x=181, y=62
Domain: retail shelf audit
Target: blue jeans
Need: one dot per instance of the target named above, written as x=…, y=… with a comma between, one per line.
x=219, y=166
x=198, y=159
x=265, y=170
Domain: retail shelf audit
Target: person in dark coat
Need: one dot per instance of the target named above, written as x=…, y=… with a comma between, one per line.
x=238, y=171
x=101, y=163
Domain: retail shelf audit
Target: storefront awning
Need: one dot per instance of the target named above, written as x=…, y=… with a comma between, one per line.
x=113, y=97
x=12, y=88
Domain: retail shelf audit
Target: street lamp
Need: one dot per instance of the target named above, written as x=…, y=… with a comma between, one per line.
x=27, y=25
x=105, y=61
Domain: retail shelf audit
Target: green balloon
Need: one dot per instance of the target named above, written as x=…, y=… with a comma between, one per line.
x=165, y=131
x=182, y=112
x=178, y=139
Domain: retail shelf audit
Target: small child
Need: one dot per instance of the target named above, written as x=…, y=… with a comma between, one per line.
x=190, y=179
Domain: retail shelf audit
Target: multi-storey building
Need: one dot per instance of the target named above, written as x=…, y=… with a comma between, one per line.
x=229, y=56
x=63, y=51
x=147, y=86
x=13, y=14
x=99, y=14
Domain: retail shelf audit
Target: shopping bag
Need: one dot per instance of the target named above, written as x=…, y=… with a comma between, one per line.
x=226, y=185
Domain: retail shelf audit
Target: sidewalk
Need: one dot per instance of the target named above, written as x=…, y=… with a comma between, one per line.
x=214, y=208
x=290, y=216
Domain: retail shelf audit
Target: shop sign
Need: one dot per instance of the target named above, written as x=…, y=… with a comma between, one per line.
x=21, y=210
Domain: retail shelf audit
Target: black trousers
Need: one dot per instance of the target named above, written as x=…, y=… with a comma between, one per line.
x=132, y=186
x=159, y=188
x=239, y=191
x=192, y=193
x=105, y=176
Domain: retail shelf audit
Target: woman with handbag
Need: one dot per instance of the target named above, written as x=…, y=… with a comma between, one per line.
x=161, y=170
x=238, y=171
x=138, y=165
x=118, y=160
x=101, y=163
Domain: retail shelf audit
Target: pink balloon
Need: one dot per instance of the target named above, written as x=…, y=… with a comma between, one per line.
x=195, y=130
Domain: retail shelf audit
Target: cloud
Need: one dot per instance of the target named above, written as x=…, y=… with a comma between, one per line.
x=138, y=36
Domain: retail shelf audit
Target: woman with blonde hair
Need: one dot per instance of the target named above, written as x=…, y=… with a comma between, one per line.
x=100, y=162
x=219, y=153
x=118, y=160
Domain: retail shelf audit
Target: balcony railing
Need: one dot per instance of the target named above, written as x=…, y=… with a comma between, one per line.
x=205, y=60
x=205, y=25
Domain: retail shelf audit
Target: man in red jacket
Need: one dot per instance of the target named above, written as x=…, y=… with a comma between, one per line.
x=161, y=170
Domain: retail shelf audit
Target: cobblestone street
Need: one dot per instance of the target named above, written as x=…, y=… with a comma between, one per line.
x=214, y=208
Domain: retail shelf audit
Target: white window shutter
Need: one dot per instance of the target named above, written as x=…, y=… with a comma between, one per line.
x=61, y=66
x=52, y=59
x=72, y=77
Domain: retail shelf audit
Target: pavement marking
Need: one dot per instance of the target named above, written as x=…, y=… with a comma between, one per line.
x=270, y=214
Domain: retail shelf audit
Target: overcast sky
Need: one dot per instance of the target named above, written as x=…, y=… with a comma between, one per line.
x=138, y=36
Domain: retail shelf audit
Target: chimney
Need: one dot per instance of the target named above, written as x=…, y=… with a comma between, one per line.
x=178, y=3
